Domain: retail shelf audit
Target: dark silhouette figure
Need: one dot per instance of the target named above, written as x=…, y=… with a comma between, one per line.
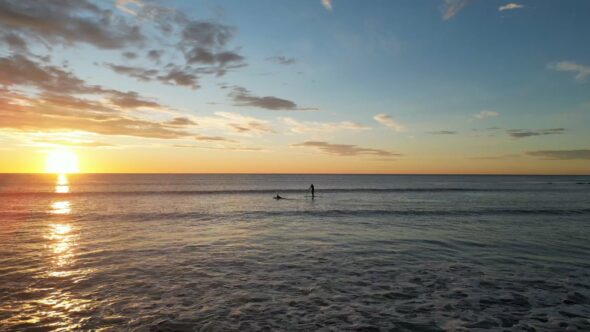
x=312, y=189
x=277, y=197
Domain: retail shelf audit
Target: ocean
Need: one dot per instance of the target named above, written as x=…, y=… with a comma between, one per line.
x=369, y=253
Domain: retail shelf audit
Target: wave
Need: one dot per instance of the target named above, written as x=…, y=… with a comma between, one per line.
x=257, y=215
x=268, y=191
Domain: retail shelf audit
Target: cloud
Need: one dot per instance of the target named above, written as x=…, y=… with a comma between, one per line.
x=73, y=143
x=242, y=124
x=55, y=103
x=243, y=97
x=505, y=156
x=181, y=78
x=130, y=55
x=442, y=132
x=130, y=99
x=582, y=71
x=345, y=149
x=389, y=122
x=67, y=23
x=17, y=70
x=311, y=126
x=230, y=148
x=37, y=114
x=327, y=4
x=523, y=133
x=510, y=6
x=140, y=74
x=205, y=42
x=126, y=6
x=199, y=137
x=174, y=76
x=180, y=121
x=452, y=7
x=15, y=42
x=486, y=114
x=203, y=45
x=155, y=55
x=281, y=60
x=561, y=154
x=207, y=34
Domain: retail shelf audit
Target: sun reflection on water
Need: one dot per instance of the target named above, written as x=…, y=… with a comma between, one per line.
x=62, y=241
x=51, y=302
x=61, y=207
x=62, y=185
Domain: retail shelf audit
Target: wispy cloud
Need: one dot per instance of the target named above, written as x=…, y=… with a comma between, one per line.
x=243, y=97
x=312, y=126
x=206, y=138
x=73, y=143
x=523, y=133
x=504, y=156
x=486, y=114
x=180, y=122
x=442, y=132
x=327, y=4
x=510, y=6
x=229, y=148
x=582, y=71
x=281, y=60
x=242, y=124
x=388, y=121
x=345, y=149
x=452, y=7
x=561, y=154
x=126, y=6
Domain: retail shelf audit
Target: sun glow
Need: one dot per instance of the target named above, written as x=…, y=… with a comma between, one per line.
x=61, y=162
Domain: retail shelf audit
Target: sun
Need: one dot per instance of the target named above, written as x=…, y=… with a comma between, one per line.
x=61, y=161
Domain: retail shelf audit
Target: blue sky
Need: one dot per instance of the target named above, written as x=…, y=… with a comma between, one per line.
x=367, y=86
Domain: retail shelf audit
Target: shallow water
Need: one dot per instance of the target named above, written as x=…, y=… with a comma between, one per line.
x=216, y=252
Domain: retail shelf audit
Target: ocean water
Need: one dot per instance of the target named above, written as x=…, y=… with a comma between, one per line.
x=369, y=253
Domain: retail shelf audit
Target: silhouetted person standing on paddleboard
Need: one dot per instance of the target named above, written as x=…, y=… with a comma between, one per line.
x=312, y=189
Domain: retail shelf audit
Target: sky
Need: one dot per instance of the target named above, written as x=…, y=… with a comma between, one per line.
x=306, y=86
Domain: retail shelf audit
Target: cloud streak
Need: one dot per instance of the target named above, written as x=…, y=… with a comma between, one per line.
x=523, y=133
x=582, y=154
x=74, y=143
x=510, y=6
x=301, y=127
x=453, y=7
x=442, y=132
x=243, y=97
x=346, y=150
x=486, y=114
x=242, y=124
x=281, y=60
x=582, y=72
x=327, y=4
x=389, y=122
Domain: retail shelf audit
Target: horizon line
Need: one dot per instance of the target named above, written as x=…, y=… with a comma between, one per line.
x=290, y=173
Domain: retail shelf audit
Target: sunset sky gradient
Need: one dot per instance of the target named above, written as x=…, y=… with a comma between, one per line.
x=313, y=86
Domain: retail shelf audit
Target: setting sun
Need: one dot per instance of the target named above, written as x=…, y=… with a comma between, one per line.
x=61, y=161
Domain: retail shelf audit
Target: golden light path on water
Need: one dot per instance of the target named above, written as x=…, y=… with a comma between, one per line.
x=58, y=305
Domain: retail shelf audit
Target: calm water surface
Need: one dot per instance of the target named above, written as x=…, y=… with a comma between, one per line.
x=217, y=253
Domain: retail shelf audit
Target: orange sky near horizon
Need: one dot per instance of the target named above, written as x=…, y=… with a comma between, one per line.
x=196, y=161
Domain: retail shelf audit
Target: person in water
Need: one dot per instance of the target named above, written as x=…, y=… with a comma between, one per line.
x=312, y=189
x=278, y=197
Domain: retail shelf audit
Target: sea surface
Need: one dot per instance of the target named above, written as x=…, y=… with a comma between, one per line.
x=369, y=253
